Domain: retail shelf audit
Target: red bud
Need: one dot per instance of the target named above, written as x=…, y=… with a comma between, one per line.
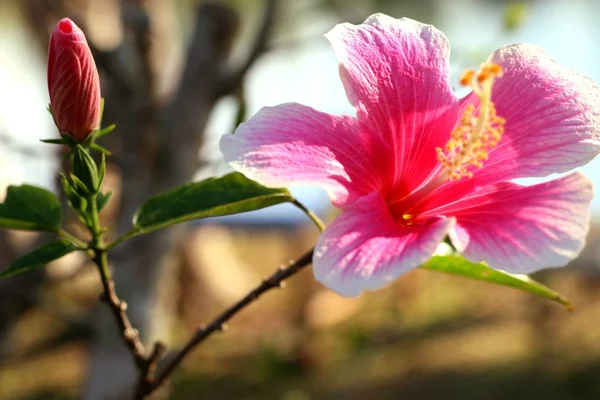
x=73, y=81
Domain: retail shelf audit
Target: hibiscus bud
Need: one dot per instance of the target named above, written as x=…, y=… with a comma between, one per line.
x=73, y=81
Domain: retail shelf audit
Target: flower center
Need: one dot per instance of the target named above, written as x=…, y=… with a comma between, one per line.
x=478, y=130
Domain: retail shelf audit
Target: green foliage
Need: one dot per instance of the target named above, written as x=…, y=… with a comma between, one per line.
x=30, y=208
x=230, y=194
x=456, y=265
x=40, y=257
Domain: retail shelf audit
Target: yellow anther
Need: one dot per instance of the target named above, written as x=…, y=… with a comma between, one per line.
x=482, y=76
x=494, y=69
x=467, y=77
x=408, y=219
x=478, y=131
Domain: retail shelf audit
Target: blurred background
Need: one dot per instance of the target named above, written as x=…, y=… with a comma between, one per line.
x=176, y=76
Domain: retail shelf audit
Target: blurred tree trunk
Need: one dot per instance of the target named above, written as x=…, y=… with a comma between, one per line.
x=156, y=148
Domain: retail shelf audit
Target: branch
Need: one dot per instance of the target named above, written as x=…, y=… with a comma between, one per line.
x=147, y=372
x=215, y=28
x=136, y=22
x=184, y=118
x=218, y=324
x=260, y=44
x=138, y=36
x=118, y=307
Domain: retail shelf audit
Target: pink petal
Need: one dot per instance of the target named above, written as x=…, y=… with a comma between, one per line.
x=395, y=72
x=365, y=249
x=553, y=116
x=294, y=144
x=523, y=229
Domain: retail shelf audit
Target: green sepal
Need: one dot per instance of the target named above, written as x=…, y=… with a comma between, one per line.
x=78, y=185
x=69, y=139
x=102, y=200
x=84, y=168
x=53, y=141
x=75, y=199
x=104, y=131
x=102, y=170
x=100, y=149
x=101, y=110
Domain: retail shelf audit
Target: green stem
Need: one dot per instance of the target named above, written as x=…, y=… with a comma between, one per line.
x=314, y=217
x=66, y=235
x=121, y=239
x=95, y=227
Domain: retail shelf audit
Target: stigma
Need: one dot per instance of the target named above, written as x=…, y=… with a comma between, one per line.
x=478, y=131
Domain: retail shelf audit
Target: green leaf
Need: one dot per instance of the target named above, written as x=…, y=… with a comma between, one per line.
x=102, y=200
x=40, y=257
x=456, y=265
x=30, y=208
x=230, y=194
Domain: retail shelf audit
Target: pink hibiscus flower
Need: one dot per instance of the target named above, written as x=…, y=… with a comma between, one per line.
x=418, y=164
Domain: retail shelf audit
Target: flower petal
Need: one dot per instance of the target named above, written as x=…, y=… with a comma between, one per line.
x=365, y=249
x=522, y=229
x=294, y=144
x=552, y=113
x=396, y=74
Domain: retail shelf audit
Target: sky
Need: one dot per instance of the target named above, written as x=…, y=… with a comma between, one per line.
x=306, y=73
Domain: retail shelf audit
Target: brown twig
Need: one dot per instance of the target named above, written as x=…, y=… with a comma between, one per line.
x=147, y=373
x=218, y=324
x=118, y=307
x=146, y=365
